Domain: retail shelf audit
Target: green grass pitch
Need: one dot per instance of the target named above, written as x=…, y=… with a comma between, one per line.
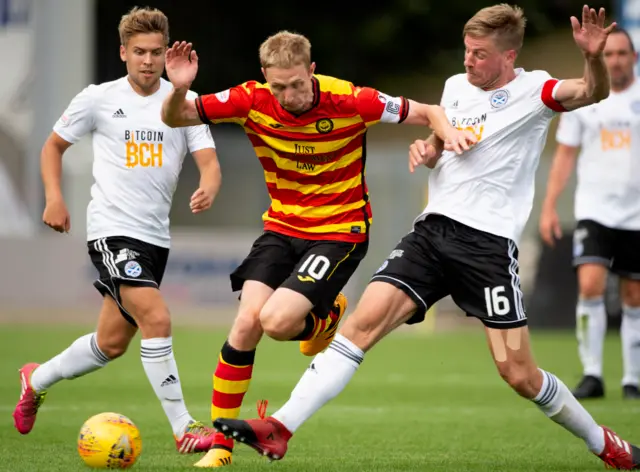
x=424, y=403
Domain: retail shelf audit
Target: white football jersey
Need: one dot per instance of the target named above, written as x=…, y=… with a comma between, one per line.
x=608, y=188
x=491, y=187
x=136, y=158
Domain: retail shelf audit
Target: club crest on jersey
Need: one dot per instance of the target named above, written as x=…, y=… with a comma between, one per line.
x=579, y=235
x=132, y=269
x=635, y=107
x=324, y=126
x=383, y=266
x=499, y=98
x=223, y=96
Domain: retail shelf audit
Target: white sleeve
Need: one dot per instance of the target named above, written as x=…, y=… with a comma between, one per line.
x=78, y=119
x=444, y=97
x=199, y=136
x=569, y=130
x=544, y=88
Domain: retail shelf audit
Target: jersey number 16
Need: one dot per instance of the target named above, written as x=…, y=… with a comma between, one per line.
x=497, y=304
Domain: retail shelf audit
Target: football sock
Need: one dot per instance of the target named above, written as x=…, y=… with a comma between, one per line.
x=82, y=357
x=162, y=371
x=591, y=327
x=328, y=374
x=231, y=381
x=558, y=403
x=630, y=334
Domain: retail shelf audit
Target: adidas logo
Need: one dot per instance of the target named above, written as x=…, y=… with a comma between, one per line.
x=119, y=114
x=169, y=380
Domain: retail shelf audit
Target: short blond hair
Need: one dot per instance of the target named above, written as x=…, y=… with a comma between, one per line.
x=504, y=21
x=285, y=50
x=143, y=21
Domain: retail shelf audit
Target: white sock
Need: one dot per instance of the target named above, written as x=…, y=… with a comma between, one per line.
x=630, y=334
x=328, y=374
x=591, y=327
x=82, y=357
x=162, y=371
x=558, y=403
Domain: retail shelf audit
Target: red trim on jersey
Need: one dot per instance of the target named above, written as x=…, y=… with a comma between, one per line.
x=547, y=96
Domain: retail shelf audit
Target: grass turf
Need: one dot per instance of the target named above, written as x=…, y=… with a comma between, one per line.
x=418, y=402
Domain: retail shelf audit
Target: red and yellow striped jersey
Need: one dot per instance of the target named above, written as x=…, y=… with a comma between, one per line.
x=314, y=162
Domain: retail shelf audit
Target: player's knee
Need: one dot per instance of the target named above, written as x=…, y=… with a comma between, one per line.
x=591, y=287
x=519, y=377
x=156, y=324
x=153, y=321
x=246, y=330
x=147, y=307
x=277, y=323
x=631, y=294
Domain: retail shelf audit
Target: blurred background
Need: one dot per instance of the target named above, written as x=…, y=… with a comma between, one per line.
x=52, y=49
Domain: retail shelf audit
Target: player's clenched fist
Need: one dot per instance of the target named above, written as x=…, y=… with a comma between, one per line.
x=201, y=200
x=56, y=216
x=422, y=152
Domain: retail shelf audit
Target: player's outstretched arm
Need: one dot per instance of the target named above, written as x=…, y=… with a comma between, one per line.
x=434, y=117
x=181, y=66
x=210, y=180
x=55, y=215
x=590, y=37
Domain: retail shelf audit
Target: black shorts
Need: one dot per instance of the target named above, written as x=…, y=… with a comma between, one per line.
x=122, y=260
x=617, y=249
x=442, y=257
x=319, y=270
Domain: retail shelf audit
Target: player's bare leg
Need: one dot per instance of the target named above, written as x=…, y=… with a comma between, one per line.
x=87, y=354
x=381, y=309
x=232, y=376
x=630, y=334
x=283, y=315
x=288, y=315
x=149, y=310
x=512, y=355
x=591, y=328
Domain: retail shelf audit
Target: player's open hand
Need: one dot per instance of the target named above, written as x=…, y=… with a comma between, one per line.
x=181, y=64
x=56, y=216
x=591, y=35
x=550, y=229
x=458, y=141
x=422, y=152
x=201, y=200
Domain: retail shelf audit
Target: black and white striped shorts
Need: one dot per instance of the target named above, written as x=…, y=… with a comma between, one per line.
x=123, y=260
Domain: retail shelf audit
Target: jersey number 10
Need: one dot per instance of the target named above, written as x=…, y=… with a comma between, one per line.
x=316, y=266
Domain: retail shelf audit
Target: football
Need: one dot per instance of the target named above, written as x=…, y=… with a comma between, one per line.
x=109, y=441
